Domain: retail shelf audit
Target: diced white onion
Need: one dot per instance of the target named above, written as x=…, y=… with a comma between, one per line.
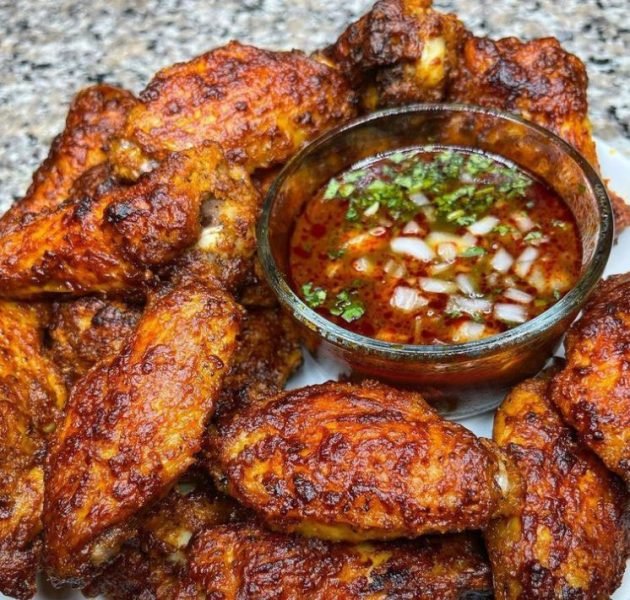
x=468, y=240
x=518, y=296
x=419, y=199
x=437, y=286
x=502, y=261
x=511, y=313
x=407, y=299
x=471, y=306
x=414, y=247
x=394, y=269
x=447, y=251
x=411, y=228
x=483, y=226
x=523, y=222
x=371, y=210
x=525, y=261
x=468, y=331
x=435, y=238
x=429, y=213
x=377, y=231
x=465, y=285
x=439, y=268
x=466, y=177
x=363, y=264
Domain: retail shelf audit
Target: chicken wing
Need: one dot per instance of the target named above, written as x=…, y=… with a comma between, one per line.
x=152, y=565
x=400, y=52
x=133, y=425
x=246, y=561
x=569, y=539
x=260, y=106
x=345, y=462
x=593, y=391
x=31, y=396
x=106, y=238
x=96, y=114
x=88, y=330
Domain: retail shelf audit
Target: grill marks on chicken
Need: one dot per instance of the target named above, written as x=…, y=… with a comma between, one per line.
x=569, y=539
x=32, y=395
x=96, y=114
x=346, y=462
x=593, y=391
x=133, y=425
x=260, y=106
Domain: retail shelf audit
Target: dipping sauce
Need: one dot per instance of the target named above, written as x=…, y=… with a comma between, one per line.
x=434, y=246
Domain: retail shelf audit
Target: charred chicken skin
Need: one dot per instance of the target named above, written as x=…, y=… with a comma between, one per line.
x=133, y=425
x=32, y=395
x=593, y=391
x=345, y=462
x=569, y=539
x=247, y=561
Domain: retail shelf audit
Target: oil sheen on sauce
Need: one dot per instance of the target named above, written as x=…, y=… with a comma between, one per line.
x=434, y=246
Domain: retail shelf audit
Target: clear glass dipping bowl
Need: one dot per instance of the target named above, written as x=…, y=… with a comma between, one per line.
x=460, y=379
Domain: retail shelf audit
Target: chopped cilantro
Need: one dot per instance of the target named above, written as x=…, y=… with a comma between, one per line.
x=533, y=236
x=354, y=176
x=473, y=251
x=502, y=229
x=314, y=297
x=336, y=253
x=348, y=307
x=477, y=164
x=332, y=189
x=560, y=224
x=453, y=313
x=398, y=157
x=345, y=191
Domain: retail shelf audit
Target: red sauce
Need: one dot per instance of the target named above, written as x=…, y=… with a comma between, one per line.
x=434, y=247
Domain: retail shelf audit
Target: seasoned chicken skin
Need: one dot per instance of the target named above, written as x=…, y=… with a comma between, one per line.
x=247, y=561
x=32, y=394
x=593, y=391
x=569, y=539
x=260, y=106
x=400, y=52
x=358, y=462
x=133, y=425
x=96, y=114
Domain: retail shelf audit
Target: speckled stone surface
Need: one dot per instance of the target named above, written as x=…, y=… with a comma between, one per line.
x=51, y=48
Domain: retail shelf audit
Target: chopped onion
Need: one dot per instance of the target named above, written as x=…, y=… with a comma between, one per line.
x=471, y=306
x=502, y=261
x=435, y=238
x=407, y=299
x=511, y=313
x=429, y=213
x=414, y=247
x=523, y=222
x=439, y=268
x=372, y=209
x=483, y=226
x=468, y=240
x=447, y=251
x=377, y=231
x=465, y=285
x=525, y=261
x=419, y=199
x=466, y=177
x=437, y=286
x=394, y=269
x=411, y=228
x=468, y=331
x=518, y=296
x=363, y=264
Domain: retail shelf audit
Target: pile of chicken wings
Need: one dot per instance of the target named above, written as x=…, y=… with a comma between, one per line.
x=147, y=450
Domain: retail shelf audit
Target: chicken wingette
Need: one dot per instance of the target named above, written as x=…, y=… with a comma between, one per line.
x=32, y=395
x=96, y=114
x=133, y=425
x=569, y=539
x=358, y=462
x=260, y=106
x=593, y=391
x=247, y=561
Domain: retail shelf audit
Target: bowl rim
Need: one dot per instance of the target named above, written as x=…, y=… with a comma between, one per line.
x=521, y=334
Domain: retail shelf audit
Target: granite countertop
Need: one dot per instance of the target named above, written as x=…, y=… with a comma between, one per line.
x=51, y=48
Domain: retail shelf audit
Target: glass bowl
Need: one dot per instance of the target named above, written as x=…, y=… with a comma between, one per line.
x=460, y=379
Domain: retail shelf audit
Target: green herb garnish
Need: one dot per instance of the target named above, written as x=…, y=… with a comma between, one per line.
x=502, y=229
x=533, y=236
x=473, y=251
x=314, y=297
x=336, y=253
x=331, y=189
x=348, y=307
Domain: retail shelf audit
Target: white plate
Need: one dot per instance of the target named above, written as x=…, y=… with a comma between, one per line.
x=616, y=167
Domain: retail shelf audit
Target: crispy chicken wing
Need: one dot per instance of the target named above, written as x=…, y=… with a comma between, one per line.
x=246, y=561
x=346, y=462
x=105, y=238
x=88, y=330
x=570, y=538
x=133, y=425
x=96, y=114
x=31, y=396
x=261, y=106
x=400, y=52
x=151, y=565
x=593, y=391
